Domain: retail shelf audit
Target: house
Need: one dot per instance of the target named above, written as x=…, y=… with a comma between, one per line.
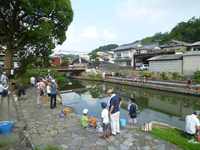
x=185, y=64
x=194, y=46
x=56, y=60
x=106, y=56
x=80, y=62
x=124, y=55
x=176, y=46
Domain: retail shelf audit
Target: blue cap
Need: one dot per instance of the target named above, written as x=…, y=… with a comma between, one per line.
x=103, y=105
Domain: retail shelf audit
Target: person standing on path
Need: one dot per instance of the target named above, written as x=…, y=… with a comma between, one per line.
x=53, y=94
x=114, y=111
x=40, y=87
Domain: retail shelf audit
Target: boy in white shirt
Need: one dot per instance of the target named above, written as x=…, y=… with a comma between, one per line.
x=192, y=124
x=105, y=120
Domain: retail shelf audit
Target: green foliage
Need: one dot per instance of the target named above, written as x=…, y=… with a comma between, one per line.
x=176, y=76
x=184, y=31
x=174, y=136
x=187, y=31
x=196, y=76
x=33, y=27
x=160, y=38
x=146, y=74
x=95, y=76
x=39, y=72
x=164, y=76
x=48, y=147
x=7, y=141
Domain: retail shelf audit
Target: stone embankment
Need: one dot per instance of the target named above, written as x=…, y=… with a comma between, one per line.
x=45, y=127
x=174, y=87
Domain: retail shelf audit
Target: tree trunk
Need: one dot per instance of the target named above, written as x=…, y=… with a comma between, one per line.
x=8, y=61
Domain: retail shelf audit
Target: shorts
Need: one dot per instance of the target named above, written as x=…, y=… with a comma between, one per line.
x=41, y=93
x=106, y=127
x=189, y=136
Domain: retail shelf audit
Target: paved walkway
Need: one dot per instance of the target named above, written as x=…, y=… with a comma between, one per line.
x=16, y=140
x=44, y=127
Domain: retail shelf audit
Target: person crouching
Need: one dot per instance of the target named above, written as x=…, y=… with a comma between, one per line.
x=84, y=119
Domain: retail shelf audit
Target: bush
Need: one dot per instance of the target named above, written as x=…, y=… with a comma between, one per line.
x=42, y=72
x=196, y=76
x=176, y=76
x=146, y=74
x=164, y=76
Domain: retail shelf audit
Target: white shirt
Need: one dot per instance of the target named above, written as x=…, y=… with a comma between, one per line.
x=191, y=122
x=48, y=89
x=104, y=116
x=1, y=88
x=32, y=80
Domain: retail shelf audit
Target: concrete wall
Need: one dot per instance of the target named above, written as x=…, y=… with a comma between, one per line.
x=166, y=66
x=191, y=64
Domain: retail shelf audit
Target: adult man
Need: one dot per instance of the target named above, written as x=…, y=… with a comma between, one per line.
x=53, y=94
x=114, y=112
x=192, y=124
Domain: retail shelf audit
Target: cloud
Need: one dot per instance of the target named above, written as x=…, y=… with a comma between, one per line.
x=108, y=35
x=90, y=32
x=86, y=39
x=134, y=10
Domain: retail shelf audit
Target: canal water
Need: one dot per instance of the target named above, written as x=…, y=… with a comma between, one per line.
x=153, y=105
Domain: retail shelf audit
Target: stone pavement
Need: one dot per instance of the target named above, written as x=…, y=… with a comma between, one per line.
x=45, y=127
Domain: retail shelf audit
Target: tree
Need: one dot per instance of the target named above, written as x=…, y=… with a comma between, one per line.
x=30, y=28
x=187, y=31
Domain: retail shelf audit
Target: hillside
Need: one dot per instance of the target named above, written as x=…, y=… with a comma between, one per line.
x=184, y=31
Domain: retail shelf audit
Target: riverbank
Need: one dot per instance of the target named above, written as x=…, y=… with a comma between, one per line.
x=45, y=127
x=180, y=88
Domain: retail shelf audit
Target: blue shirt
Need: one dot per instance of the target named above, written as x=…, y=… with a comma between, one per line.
x=115, y=102
x=53, y=88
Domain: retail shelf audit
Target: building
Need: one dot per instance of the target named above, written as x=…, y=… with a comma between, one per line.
x=56, y=60
x=185, y=64
x=106, y=56
x=166, y=63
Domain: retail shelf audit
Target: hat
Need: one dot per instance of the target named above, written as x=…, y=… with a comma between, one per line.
x=196, y=113
x=53, y=81
x=85, y=111
x=110, y=91
x=103, y=105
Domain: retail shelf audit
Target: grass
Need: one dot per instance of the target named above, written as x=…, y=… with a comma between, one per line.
x=6, y=142
x=174, y=136
x=49, y=147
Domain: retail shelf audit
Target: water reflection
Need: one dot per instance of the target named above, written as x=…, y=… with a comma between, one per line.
x=154, y=105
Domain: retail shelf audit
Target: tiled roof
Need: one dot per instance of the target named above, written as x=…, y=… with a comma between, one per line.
x=127, y=46
x=166, y=57
x=137, y=45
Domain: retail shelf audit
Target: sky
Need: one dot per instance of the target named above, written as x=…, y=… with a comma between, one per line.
x=101, y=22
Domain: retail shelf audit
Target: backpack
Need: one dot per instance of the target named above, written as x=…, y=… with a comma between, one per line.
x=133, y=110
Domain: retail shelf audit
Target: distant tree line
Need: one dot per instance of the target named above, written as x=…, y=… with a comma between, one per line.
x=188, y=31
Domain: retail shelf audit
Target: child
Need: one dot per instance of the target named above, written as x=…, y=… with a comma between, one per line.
x=105, y=120
x=132, y=110
x=84, y=118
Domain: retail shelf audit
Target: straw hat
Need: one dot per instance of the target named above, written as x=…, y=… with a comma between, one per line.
x=110, y=91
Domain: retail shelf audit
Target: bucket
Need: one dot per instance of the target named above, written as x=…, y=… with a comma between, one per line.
x=123, y=122
x=6, y=127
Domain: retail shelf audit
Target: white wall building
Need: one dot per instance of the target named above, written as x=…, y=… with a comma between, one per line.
x=185, y=64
